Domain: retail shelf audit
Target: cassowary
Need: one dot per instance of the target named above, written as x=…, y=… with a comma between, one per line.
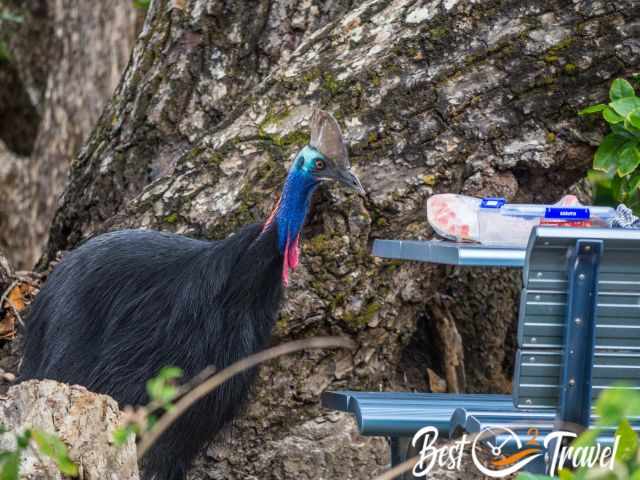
x=127, y=303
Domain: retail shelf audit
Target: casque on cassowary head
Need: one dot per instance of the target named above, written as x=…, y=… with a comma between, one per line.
x=127, y=303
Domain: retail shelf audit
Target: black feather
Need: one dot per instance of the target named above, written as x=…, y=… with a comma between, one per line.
x=125, y=304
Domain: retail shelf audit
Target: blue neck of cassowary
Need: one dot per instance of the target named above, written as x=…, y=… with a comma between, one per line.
x=294, y=204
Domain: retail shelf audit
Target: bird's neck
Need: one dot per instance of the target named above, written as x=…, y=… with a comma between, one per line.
x=289, y=215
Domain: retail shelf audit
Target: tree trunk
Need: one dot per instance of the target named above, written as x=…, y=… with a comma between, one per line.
x=68, y=57
x=83, y=420
x=434, y=96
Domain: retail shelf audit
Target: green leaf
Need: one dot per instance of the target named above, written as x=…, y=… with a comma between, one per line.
x=10, y=17
x=170, y=373
x=610, y=406
x=532, y=476
x=611, y=117
x=617, y=403
x=607, y=152
x=52, y=447
x=620, y=88
x=121, y=434
x=593, y=109
x=151, y=421
x=565, y=474
x=634, y=118
x=628, y=445
x=587, y=438
x=619, y=195
x=159, y=388
x=601, y=184
x=4, y=51
x=628, y=158
x=159, y=391
x=619, y=130
x=23, y=440
x=625, y=106
x=11, y=467
x=580, y=474
x=634, y=182
x=67, y=467
x=141, y=4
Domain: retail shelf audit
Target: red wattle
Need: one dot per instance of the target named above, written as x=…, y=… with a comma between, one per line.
x=291, y=258
x=293, y=252
x=285, y=267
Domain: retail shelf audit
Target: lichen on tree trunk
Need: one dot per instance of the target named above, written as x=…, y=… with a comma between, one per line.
x=434, y=96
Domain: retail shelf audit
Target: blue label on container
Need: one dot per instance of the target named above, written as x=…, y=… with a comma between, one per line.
x=492, y=202
x=567, y=213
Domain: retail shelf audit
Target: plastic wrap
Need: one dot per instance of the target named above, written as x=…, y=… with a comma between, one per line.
x=492, y=221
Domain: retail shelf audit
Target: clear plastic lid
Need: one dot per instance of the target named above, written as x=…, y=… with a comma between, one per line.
x=557, y=212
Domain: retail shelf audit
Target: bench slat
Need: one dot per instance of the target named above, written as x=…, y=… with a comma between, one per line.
x=538, y=373
x=403, y=414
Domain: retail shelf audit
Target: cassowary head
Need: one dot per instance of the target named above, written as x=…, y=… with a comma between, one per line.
x=324, y=159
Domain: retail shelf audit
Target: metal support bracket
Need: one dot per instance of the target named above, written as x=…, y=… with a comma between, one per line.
x=399, y=447
x=579, y=338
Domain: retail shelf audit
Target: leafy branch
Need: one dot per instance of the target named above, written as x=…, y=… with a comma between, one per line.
x=615, y=174
x=162, y=391
x=614, y=408
x=41, y=443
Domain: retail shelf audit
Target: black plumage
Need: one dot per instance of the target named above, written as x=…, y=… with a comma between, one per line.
x=125, y=304
x=164, y=299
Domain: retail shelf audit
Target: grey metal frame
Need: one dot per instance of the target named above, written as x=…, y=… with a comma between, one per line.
x=578, y=332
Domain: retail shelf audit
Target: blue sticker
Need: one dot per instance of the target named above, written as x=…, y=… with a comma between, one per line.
x=567, y=213
x=492, y=202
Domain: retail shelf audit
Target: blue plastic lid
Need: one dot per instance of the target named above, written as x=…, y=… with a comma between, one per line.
x=492, y=202
x=567, y=213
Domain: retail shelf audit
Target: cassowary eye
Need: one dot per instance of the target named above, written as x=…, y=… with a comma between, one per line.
x=319, y=164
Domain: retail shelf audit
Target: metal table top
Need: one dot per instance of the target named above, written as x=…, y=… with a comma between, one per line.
x=451, y=253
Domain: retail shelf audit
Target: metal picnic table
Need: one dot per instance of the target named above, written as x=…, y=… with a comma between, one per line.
x=451, y=253
x=578, y=334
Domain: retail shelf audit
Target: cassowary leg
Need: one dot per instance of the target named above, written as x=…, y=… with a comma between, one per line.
x=172, y=455
x=161, y=464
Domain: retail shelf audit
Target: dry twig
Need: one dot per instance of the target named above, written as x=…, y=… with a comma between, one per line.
x=198, y=392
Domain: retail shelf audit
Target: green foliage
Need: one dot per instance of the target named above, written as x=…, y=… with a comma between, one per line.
x=162, y=390
x=4, y=51
x=615, y=175
x=10, y=465
x=46, y=444
x=121, y=434
x=7, y=17
x=141, y=4
x=614, y=407
x=51, y=446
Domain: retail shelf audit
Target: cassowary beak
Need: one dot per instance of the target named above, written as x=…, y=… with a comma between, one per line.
x=349, y=180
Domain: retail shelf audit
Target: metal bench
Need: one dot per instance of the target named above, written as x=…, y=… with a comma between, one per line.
x=578, y=334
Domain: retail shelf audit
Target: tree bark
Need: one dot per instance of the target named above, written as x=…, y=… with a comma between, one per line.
x=68, y=56
x=434, y=96
x=82, y=420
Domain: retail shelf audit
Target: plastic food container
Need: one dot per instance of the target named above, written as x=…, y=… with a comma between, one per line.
x=492, y=221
